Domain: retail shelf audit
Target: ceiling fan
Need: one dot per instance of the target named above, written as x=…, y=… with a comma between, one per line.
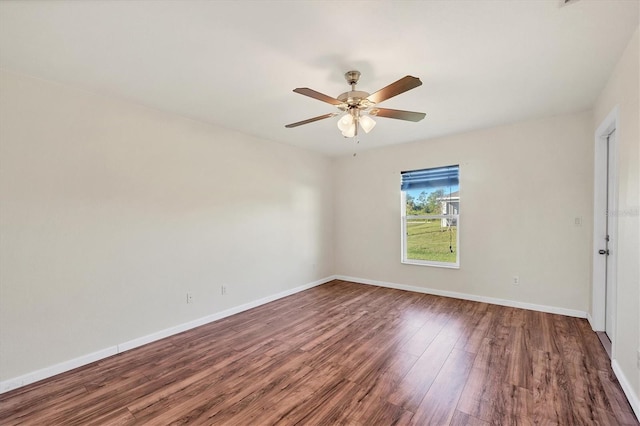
x=359, y=106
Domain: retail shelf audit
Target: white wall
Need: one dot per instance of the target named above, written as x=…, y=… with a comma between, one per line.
x=522, y=186
x=623, y=90
x=111, y=212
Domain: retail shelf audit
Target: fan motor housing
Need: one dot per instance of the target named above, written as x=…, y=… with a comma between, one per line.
x=355, y=98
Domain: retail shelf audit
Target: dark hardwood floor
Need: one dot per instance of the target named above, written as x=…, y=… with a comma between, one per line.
x=351, y=354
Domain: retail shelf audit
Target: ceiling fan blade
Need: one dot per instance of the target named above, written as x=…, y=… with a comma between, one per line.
x=398, y=114
x=311, y=120
x=317, y=95
x=405, y=83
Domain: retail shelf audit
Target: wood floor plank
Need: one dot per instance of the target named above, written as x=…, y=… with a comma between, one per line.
x=202, y=391
x=415, y=385
x=512, y=405
x=423, y=337
x=439, y=404
x=552, y=393
x=462, y=419
x=519, y=365
x=271, y=404
x=345, y=353
x=265, y=388
x=615, y=402
x=383, y=381
x=478, y=322
x=481, y=389
x=381, y=412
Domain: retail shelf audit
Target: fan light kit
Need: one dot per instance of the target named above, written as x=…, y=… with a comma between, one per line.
x=358, y=107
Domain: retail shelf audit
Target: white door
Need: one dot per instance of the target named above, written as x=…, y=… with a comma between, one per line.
x=606, y=250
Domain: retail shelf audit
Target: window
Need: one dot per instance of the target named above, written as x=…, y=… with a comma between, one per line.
x=431, y=216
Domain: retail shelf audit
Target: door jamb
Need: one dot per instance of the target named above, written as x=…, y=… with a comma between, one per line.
x=598, y=308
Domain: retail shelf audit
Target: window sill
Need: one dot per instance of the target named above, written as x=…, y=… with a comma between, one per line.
x=433, y=264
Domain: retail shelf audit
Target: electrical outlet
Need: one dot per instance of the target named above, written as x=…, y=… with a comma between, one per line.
x=516, y=280
x=223, y=289
x=189, y=298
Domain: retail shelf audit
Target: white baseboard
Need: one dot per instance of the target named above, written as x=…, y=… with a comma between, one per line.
x=44, y=373
x=634, y=401
x=62, y=367
x=465, y=296
x=590, y=319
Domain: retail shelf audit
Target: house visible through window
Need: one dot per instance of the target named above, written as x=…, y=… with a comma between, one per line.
x=431, y=216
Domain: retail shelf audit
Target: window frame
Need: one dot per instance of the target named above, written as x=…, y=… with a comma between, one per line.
x=403, y=232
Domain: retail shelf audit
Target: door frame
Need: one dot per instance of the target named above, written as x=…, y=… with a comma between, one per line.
x=598, y=300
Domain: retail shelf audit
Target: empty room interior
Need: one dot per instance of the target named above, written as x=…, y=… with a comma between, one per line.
x=320, y=212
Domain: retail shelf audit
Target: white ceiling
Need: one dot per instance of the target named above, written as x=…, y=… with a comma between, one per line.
x=235, y=63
